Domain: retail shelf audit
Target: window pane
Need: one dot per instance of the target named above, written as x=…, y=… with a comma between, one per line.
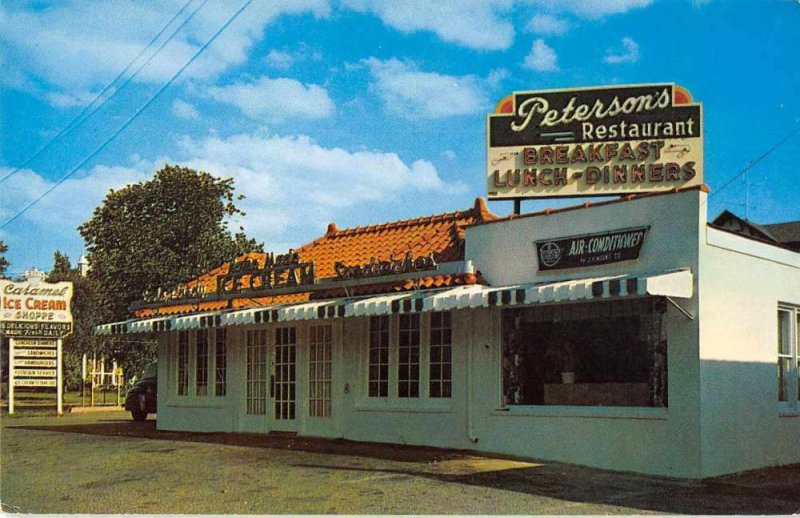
x=440, y=346
x=408, y=358
x=784, y=379
x=784, y=323
x=183, y=363
x=378, y=356
x=605, y=353
x=320, y=371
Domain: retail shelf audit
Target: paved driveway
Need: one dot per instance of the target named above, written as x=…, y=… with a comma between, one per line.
x=105, y=463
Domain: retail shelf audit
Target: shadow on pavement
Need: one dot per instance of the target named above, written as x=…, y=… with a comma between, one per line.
x=767, y=491
x=147, y=430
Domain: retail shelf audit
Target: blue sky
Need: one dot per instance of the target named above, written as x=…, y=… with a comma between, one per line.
x=363, y=111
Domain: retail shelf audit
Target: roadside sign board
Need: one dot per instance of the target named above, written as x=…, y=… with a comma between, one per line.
x=35, y=316
x=597, y=141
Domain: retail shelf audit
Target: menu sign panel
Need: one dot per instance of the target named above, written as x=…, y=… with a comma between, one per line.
x=594, y=142
x=590, y=249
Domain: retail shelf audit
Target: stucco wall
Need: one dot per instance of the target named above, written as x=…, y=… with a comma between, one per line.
x=741, y=284
x=650, y=440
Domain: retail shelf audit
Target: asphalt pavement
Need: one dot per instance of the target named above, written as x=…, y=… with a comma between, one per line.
x=106, y=463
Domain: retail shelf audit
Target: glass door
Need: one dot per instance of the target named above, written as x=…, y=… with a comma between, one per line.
x=284, y=379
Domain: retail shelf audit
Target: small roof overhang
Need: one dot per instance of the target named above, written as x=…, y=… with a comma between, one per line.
x=679, y=284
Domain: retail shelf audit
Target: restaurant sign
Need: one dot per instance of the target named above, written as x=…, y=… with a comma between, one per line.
x=590, y=249
x=594, y=142
x=394, y=266
x=35, y=309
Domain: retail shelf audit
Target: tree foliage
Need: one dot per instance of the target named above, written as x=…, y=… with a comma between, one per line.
x=159, y=233
x=3, y=260
x=86, y=313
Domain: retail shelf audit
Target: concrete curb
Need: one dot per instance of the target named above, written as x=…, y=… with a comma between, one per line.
x=91, y=409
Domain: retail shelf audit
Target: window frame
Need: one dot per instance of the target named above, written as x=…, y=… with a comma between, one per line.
x=190, y=386
x=792, y=381
x=393, y=400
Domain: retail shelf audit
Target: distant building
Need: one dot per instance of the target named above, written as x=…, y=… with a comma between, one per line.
x=785, y=234
x=83, y=266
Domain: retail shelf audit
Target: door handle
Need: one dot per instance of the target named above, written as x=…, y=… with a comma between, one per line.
x=272, y=386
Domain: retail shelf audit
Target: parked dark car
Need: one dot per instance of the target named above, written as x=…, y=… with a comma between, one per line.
x=142, y=397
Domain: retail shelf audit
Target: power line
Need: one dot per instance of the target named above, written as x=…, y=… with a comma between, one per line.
x=754, y=162
x=72, y=124
x=132, y=118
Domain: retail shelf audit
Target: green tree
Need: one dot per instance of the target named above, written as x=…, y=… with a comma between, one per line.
x=3, y=261
x=86, y=313
x=159, y=233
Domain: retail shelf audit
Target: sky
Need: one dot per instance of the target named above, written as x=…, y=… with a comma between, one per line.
x=361, y=111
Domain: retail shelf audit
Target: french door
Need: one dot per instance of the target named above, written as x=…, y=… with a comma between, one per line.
x=283, y=379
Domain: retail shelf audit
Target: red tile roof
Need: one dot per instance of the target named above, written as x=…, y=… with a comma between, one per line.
x=441, y=235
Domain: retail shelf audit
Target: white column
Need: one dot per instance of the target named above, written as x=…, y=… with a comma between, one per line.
x=59, y=380
x=10, y=376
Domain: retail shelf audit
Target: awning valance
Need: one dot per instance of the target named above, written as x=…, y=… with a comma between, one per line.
x=670, y=284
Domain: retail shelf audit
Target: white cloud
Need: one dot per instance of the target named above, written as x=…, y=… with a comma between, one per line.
x=496, y=77
x=477, y=24
x=184, y=110
x=449, y=154
x=541, y=58
x=93, y=41
x=412, y=93
x=276, y=99
x=592, y=9
x=293, y=186
x=280, y=59
x=547, y=25
x=630, y=54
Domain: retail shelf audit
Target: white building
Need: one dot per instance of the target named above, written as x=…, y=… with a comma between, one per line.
x=665, y=346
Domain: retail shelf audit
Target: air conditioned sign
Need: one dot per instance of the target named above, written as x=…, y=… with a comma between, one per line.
x=590, y=249
x=594, y=142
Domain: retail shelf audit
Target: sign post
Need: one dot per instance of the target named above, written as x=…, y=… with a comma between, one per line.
x=10, y=376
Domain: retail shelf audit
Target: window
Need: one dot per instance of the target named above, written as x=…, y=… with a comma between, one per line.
x=379, y=356
x=408, y=363
x=221, y=362
x=202, y=352
x=201, y=363
x=420, y=359
x=257, y=372
x=441, y=340
x=591, y=354
x=183, y=363
x=789, y=356
x=284, y=370
x=319, y=371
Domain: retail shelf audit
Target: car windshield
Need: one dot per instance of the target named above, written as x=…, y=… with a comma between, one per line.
x=151, y=371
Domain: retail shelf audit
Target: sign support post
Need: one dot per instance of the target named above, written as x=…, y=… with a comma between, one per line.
x=11, y=376
x=59, y=379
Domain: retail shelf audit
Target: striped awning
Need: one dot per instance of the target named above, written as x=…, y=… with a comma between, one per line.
x=197, y=321
x=149, y=325
x=677, y=284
